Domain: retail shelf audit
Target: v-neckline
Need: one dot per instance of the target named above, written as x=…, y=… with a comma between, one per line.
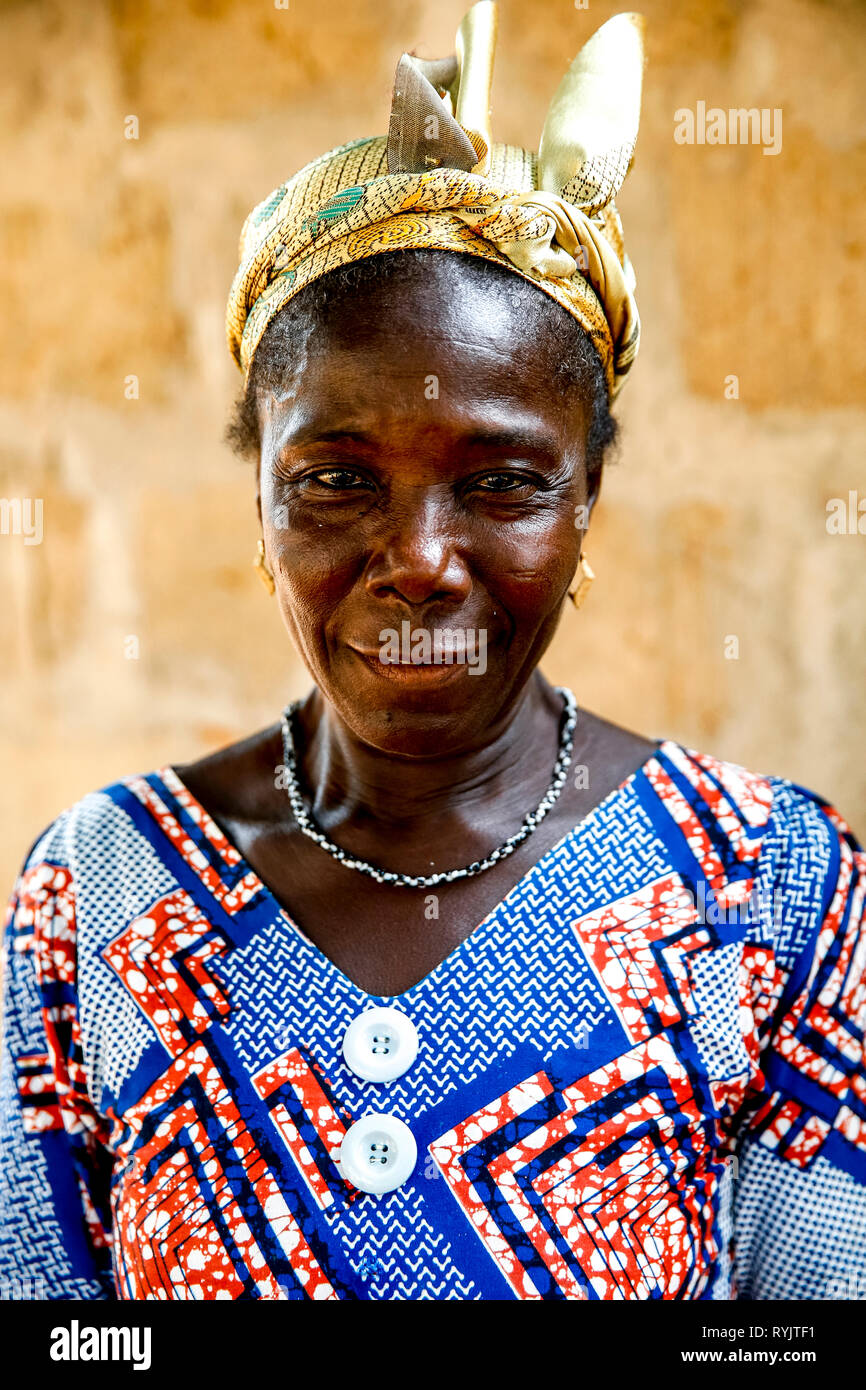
x=329, y=966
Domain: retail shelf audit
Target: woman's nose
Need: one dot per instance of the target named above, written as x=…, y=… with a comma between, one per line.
x=419, y=560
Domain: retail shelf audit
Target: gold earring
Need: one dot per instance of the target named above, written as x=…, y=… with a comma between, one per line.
x=261, y=565
x=582, y=582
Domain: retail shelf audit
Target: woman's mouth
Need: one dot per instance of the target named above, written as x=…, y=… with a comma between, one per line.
x=411, y=672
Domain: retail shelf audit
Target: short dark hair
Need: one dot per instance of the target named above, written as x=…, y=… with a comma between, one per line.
x=578, y=362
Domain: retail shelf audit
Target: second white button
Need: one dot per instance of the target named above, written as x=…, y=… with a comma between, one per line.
x=378, y=1153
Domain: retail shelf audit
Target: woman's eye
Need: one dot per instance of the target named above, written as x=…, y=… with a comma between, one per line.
x=504, y=482
x=336, y=479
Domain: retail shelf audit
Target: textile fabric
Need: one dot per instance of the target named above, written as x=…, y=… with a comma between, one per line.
x=642, y=1076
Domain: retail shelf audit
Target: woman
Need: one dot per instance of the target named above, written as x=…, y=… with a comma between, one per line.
x=439, y=988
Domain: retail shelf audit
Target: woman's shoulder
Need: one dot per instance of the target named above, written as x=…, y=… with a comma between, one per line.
x=106, y=825
x=789, y=842
x=765, y=801
x=111, y=820
x=705, y=793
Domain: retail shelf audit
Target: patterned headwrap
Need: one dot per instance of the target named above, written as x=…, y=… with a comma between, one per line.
x=437, y=180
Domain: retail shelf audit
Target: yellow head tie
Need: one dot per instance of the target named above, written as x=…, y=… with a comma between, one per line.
x=437, y=180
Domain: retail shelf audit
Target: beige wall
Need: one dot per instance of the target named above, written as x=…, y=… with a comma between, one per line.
x=116, y=257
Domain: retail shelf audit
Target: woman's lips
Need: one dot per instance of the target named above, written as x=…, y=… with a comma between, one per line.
x=411, y=673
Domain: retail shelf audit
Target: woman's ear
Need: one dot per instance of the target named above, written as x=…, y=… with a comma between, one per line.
x=595, y=489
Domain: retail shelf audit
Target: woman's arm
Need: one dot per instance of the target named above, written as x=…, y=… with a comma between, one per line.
x=54, y=1167
x=799, y=1189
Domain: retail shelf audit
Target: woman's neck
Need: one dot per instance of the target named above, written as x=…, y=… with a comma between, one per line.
x=347, y=779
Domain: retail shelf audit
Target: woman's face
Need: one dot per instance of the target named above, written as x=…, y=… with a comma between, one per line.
x=419, y=475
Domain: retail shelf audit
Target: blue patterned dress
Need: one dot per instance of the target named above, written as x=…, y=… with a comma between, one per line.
x=642, y=1076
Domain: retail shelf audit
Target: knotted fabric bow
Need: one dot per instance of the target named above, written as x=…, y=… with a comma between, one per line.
x=437, y=180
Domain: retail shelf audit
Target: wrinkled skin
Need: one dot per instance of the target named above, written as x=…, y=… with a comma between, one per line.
x=384, y=498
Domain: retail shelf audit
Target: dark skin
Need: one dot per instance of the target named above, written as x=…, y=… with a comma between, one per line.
x=381, y=502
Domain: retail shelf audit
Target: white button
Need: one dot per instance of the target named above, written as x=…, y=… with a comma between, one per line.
x=380, y=1044
x=378, y=1153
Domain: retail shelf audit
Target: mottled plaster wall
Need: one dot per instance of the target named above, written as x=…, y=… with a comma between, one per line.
x=115, y=257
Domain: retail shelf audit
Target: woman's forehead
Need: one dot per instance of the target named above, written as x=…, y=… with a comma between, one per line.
x=431, y=325
x=436, y=292
x=323, y=412
x=479, y=385
x=424, y=352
